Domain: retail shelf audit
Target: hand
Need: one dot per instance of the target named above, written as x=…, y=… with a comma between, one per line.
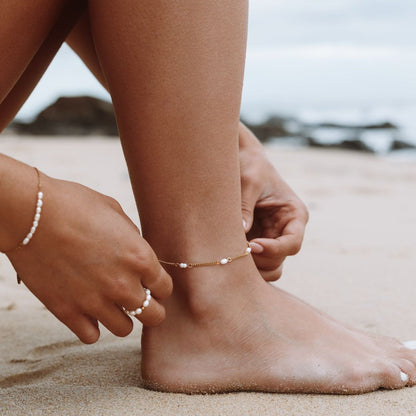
x=87, y=260
x=274, y=217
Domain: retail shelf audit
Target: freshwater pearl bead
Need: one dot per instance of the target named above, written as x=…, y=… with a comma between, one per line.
x=147, y=292
x=183, y=265
x=248, y=250
x=146, y=303
x=224, y=261
x=36, y=217
x=148, y=297
x=138, y=311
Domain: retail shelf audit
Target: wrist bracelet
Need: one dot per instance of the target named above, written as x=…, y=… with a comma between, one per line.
x=36, y=218
x=38, y=211
x=220, y=262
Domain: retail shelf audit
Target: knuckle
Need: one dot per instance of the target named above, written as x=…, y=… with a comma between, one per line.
x=250, y=178
x=120, y=287
x=295, y=248
x=303, y=209
x=246, y=207
x=145, y=260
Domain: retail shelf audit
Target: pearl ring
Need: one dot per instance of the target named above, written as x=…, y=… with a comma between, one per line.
x=140, y=310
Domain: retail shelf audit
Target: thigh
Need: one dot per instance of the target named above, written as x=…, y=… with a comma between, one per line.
x=34, y=59
x=24, y=26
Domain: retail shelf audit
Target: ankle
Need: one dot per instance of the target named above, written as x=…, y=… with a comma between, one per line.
x=203, y=292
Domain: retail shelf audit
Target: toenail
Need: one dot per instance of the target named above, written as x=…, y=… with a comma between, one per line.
x=404, y=376
x=410, y=344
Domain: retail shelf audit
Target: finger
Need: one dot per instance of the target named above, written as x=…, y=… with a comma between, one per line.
x=152, y=274
x=160, y=284
x=113, y=318
x=272, y=275
x=287, y=244
x=269, y=258
x=150, y=312
x=249, y=196
x=84, y=327
x=291, y=237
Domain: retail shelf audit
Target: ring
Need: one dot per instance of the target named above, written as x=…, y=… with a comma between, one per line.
x=139, y=310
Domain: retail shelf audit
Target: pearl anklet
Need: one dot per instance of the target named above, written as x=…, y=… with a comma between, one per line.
x=140, y=310
x=220, y=262
x=38, y=211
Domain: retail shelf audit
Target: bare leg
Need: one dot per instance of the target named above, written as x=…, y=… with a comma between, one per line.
x=32, y=59
x=175, y=72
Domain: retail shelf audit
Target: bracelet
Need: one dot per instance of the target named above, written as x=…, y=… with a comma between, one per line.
x=38, y=211
x=36, y=218
x=220, y=262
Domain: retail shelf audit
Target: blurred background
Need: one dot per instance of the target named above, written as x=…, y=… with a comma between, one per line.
x=319, y=73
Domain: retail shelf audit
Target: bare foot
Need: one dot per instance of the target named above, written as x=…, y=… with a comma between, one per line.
x=226, y=334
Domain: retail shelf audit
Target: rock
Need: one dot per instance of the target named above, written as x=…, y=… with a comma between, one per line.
x=401, y=145
x=72, y=116
x=384, y=125
x=272, y=127
x=356, y=145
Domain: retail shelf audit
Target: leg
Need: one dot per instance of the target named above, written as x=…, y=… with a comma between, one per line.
x=177, y=105
x=35, y=68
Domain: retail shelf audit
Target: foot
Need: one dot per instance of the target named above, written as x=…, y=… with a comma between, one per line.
x=248, y=335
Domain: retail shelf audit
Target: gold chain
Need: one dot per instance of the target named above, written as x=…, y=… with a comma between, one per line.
x=220, y=262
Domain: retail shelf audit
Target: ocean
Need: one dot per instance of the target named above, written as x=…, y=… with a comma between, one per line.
x=288, y=83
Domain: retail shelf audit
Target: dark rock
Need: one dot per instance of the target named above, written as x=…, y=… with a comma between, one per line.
x=384, y=125
x=355, y=145
x=401, y=145
x=272, y=127
x=72, y=116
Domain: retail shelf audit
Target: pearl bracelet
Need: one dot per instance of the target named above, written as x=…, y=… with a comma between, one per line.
x=38, y=211
x=220, y=262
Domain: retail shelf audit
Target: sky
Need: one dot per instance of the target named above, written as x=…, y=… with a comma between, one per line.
x=300, y=53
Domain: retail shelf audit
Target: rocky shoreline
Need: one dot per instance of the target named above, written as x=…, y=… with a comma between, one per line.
x=86, y=116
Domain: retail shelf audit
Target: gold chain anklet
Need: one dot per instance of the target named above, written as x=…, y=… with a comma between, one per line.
x=220, y=262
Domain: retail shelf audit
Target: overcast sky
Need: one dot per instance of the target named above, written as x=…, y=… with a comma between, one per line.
x=302, y=52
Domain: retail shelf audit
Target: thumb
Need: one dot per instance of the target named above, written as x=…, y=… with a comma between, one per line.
x=248, y=202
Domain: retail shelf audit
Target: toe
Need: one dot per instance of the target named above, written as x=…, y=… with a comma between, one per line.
x=409, y=369
x=396, y=377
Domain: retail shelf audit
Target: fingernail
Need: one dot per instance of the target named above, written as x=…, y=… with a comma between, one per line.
x=245, y=225
x=256, y=248
x=404, y=376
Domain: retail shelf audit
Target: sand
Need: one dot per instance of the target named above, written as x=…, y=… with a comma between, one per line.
x=358, y=263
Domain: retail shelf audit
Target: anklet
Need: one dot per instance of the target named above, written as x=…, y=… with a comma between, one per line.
x=38, y=211
x=220, y=262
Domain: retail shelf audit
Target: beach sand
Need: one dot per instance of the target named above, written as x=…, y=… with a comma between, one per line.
x=358, y=264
